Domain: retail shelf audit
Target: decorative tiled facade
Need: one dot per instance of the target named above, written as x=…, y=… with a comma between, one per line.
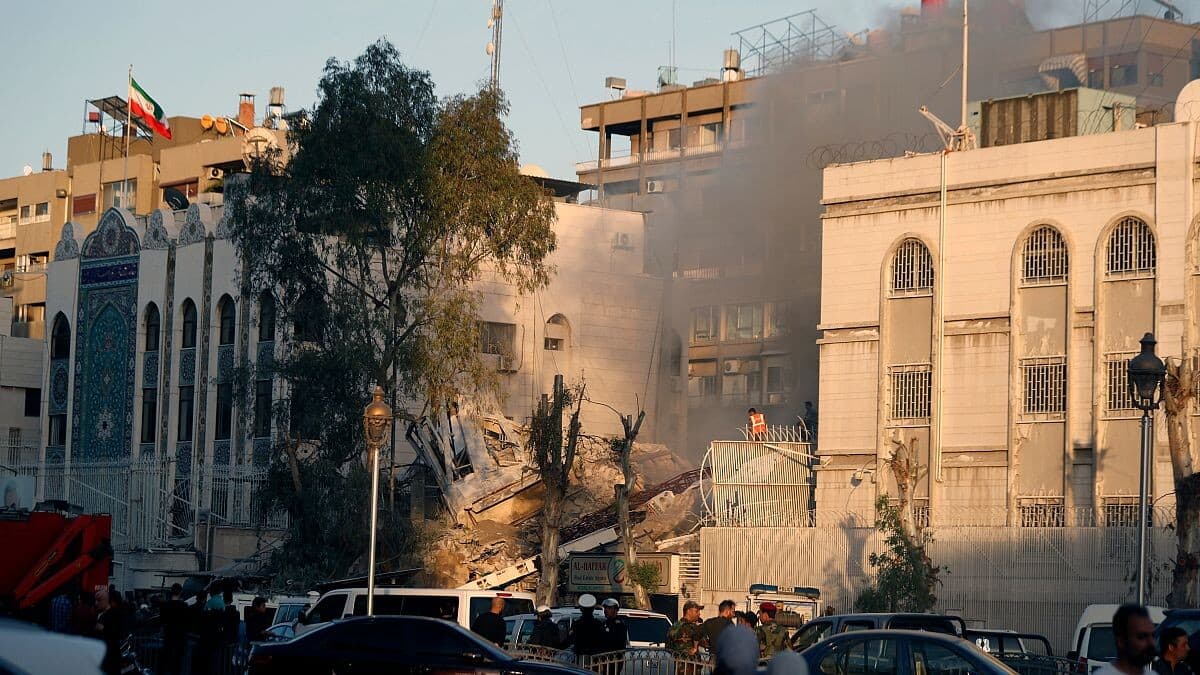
x=187, y=367
x=150, y=369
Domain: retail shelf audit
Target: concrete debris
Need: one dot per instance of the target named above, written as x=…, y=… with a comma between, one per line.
x=494, y=494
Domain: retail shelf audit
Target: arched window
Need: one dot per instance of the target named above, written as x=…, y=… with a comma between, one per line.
x=189, y=325
x=266, y=317
x=1131, y=251
x=228, y=326
x=152, y=328
x=912, y=270
x=308, y=317
x=60, y=338
x=1044, y=258
x=558, y=333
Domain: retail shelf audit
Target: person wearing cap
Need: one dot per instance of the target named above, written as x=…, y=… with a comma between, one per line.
x=616, y=633
x=686, y=637
x=588, y=633
x=545, y=631
x=772, y=638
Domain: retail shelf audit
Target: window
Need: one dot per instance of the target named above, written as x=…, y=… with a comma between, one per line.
x=152, y=323
x=1095, y=77
x=777, y=319
x=224, y=411
x=776, y=379
x=910, y=387
x=186, y=395
x=26, y=214
x=512, y=607
x=1124, y=70
x=702, y=383
x=113, y=195
x=1154, y=69
x=58, y=430
x=41, y=212
x=1042, y=512
x=704, y=323
x=1131, y=250
x=912, y=270
x=557, y=333
x=228, y=320
x=189, y=325
x=1121, y=512
x=497, y=338
x=328, y=609
x=308, y=317
x=60, y=338
x=1045, y=385
x=262, y=409
x=863, y=657
x=33, y=402
x=83, y=204
x=266, y=317
x=931, y=658
x=811, y=634
x=1117, y=378
x=1044, y=258
x=149, y=414
x=744, y=321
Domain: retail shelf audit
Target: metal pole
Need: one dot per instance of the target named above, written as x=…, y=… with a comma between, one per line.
x=965, y=65
x=128, y=122
x=1143, y=505
x=374, y=518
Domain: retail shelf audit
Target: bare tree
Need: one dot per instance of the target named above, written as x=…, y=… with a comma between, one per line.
x=1178, y=392
x=623, y=447
x=554, y=462
x=907, y=473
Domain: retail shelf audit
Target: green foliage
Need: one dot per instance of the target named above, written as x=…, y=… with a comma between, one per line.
x=905, y=578
x=370, y=230
x=645, y=575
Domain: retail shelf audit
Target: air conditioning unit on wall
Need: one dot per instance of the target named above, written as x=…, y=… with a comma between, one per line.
x=654, y=186
x=622, y=240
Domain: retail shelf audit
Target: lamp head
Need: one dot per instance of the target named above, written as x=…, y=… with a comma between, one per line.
x=1146, y=373
x=376, y=418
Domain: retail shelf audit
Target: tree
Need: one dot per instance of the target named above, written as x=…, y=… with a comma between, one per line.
x=1179, y=388
x=905, y=578
x=623, y=448
x=392, y=204
x=907, y=472
x=554, y=462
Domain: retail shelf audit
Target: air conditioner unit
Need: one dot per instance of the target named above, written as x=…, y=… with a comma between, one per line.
x=506, y=363
x=732, y=366
x=621, y=240
x=214, y=173
x=654, y=186
x=7, y=279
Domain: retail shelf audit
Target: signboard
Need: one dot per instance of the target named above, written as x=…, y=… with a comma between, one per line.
x=605, y=573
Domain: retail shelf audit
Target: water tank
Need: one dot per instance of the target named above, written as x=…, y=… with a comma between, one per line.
x=733, y=60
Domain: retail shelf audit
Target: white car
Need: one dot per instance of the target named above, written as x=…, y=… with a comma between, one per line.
x=646, y=629
x=1093, y=639
x=458, y=605
x=26, y=648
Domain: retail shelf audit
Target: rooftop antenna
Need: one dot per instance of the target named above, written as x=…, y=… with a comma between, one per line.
x=496, y=23
x=961, y=138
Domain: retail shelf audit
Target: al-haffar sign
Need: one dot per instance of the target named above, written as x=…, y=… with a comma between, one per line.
x=605, y=573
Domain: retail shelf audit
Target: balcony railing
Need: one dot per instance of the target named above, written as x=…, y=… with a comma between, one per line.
x=8, y=227
x=649, y=156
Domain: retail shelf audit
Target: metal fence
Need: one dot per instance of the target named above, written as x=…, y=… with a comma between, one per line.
x=646, y=661
x=759, y=483
x=195, y=657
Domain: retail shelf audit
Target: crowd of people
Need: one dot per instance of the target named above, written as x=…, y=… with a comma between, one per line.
x=690, y=636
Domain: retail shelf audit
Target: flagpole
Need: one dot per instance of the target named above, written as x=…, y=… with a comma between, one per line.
x=128, y=122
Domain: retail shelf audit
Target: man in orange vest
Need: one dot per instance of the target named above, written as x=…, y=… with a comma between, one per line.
x=758, y=425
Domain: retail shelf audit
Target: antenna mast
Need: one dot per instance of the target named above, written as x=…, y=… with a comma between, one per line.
x=496, y=23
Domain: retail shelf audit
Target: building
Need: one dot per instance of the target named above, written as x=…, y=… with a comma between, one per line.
x=189, y=167
x=147, y=326
x=728, y=171
x=20, y=392
x=995, y=343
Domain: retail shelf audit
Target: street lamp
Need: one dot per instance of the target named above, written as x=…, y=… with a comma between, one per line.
x=1146, y=374
x=376, y=418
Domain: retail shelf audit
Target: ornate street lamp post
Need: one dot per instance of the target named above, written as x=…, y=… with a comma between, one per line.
x=376, y=418
x=1146, y=374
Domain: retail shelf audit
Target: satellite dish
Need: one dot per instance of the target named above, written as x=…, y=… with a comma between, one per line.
x=222, y=125
x=175, y=199
x=27, y=170
x=206, y=122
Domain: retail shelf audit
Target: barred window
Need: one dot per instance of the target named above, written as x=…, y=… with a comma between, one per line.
x=1042, y=512
x=1044, y=259
x=912, y=270
x=910, y=386
x=1045, y=385
x=1116, y=369
x=1121, y=511
x=1131, y=251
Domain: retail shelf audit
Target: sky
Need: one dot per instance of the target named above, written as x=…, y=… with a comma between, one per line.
x=196, y=57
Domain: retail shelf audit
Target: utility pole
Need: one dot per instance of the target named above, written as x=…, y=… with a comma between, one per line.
x=496, y=23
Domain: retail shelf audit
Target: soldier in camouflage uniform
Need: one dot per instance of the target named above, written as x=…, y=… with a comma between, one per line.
x=772, y=638
x=686, y=637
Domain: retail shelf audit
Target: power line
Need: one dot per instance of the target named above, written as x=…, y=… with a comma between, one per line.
x=425, y=28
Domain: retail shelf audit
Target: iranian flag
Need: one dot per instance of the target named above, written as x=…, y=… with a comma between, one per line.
x=141, y=105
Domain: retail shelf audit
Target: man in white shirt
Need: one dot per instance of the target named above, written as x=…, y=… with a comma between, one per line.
x=1133, y=631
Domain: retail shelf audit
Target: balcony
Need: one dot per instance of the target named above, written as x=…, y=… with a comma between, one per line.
x=650, y=156
x=8, y=227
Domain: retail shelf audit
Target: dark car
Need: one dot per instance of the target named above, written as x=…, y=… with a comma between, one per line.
x=900, y=652
x=819, y=629
x=403, y=645
x=1189, y=621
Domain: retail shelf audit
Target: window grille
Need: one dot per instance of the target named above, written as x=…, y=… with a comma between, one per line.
x=910, y=390
x=1045, y=385
x=1122, y=511
x=1116, y=368
x=1044, y=260
x=1042, y=512
x=912, y=270
x=1131, y=251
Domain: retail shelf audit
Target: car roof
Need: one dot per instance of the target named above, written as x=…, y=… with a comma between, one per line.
x=891, y=615
x=571, y=611
x=896, y=632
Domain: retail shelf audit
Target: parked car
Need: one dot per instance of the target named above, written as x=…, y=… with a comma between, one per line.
x=1189, y=621
x=1009, y=642
x=26, y=648
x=392, y=644
x=646, y=629
x=460, y=606
x=900, y=652
x=280, y=632
x=1093, y=641
x=820, y=629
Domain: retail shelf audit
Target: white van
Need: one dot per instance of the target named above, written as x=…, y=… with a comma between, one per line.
x=460, y=606
x=1093, y=640
x=646, y=629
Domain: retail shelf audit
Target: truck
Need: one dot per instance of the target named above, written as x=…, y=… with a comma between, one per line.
x=52, y=549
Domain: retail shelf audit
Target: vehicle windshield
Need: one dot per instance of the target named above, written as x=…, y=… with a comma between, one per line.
x=1101, y=646
x=651, y=629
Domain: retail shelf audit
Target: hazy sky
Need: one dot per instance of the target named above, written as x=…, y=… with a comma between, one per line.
x=196, y=57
